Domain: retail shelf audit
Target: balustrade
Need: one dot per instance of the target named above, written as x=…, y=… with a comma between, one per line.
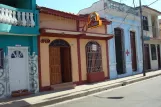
x=16, y=17
x=121, y=7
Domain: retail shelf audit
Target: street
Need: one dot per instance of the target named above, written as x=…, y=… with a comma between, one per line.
x=142, y=94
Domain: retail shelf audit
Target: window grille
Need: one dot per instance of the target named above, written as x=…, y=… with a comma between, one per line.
x=59, y=42
x=93, y=57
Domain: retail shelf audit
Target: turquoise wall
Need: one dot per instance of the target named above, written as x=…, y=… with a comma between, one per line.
x=24, y=4
x=10, y=40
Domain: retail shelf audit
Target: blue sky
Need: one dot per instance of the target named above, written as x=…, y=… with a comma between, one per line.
x=74, y=6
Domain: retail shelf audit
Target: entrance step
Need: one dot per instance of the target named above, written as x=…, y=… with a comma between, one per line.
x=63, y=86
x=19, y=93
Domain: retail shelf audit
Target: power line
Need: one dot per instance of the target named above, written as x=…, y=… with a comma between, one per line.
x=134, y=16
x=126, y=12
x=153, y=2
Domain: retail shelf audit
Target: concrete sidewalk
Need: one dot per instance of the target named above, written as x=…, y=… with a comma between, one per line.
x=47, y=98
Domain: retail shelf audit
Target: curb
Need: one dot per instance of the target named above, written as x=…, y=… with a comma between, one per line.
x=90, y=91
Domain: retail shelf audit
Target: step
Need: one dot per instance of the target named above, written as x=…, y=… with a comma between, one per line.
x=63, y=86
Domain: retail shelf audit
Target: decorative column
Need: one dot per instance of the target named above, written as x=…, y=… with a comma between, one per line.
x=33, y=73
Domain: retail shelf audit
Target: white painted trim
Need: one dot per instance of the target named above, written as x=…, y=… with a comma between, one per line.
x=100, y=35
x=62, y=32
x=15, y=47
x=27, y=68
x=76, y=33
x=17, y=34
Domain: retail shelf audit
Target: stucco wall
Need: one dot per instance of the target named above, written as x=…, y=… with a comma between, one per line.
x=127, y=26
x=55, y=22
x=44, y=53
x=130, y=24
x=10, y=40
x=100, y=29
x=83, y=43
x=153, y=63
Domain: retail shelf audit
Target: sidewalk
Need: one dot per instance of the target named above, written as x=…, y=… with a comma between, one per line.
x=47, y=98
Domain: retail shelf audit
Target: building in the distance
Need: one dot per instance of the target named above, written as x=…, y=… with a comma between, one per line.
x=152, y=39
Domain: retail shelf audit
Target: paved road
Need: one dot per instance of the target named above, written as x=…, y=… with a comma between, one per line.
x=142, y=94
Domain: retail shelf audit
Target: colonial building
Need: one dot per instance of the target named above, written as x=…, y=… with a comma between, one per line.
x=152, y=38
x=69, y=53
x=18, y=47
x=125, y=49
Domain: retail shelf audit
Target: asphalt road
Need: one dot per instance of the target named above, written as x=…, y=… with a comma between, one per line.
x=142, y=94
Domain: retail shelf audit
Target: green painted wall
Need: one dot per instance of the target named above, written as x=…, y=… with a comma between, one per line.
x=10, y=40
x=24, y=4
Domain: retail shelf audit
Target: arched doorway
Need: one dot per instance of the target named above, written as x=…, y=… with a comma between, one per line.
x=60, y=62
x=93, y=57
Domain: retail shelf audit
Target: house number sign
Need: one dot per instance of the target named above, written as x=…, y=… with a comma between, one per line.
x=45, y=40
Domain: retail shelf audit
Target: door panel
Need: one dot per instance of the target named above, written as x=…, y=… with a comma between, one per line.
x=158, y=49
x=119, y=51
x=18, y=66
x=55, y=65
x=147, y=57
x=66, y=64
x=133, y=51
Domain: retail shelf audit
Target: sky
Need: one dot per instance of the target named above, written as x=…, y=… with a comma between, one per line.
x=73, y=6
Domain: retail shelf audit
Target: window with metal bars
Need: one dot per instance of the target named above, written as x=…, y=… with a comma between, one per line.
x=93, y=57
x=153, y=52
x=1, y=58
x=145, y=23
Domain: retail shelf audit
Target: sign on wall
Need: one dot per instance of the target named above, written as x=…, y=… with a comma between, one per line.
x=94, y=20
x=94, y=47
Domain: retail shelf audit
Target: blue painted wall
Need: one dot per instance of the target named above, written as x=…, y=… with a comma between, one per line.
x=127, y=27
x=10, y=40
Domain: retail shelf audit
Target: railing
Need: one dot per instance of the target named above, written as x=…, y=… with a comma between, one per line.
x=17, y=17
x=152, y=31
x=121, y=7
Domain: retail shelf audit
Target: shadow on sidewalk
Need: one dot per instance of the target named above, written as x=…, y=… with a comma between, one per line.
x=15, y=104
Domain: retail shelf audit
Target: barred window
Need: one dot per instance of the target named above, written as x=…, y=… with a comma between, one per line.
x=1, y=58
x=145, y=23
x=93, y=57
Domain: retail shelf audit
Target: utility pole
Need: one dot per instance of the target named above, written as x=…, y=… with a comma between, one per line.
x=144, y=74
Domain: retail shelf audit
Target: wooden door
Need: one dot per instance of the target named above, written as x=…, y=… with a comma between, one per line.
x=158, y=49
x=147, y=57
x=55, y=65
x=66, y=64
x=133, y=51
x=119, y=51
